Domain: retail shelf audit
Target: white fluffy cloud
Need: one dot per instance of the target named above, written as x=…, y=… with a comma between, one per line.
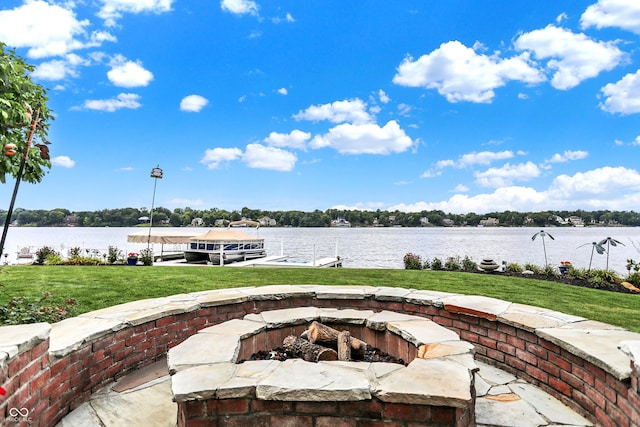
x=193, y=103
x=213, y=157
x=367, y=138
x=352, y=111
x=63, y=161
x=113, y=9
x=260, y=157
x=613, y=13
x=126, y=73
x=295, y=139
x=123, y=100
x=613, y=188
x=459, y=73
x=239, y=7
x=572, y=57
x=567, y=156
x=45, y=29
x=508, y=174
x=623, y=96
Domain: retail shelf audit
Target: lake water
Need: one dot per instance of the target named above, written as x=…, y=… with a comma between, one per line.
x=376, y=247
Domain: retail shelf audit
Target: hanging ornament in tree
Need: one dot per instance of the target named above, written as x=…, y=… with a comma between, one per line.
x=10, y=149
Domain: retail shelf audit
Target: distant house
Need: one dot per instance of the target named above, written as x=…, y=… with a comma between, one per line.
x=265, y=221
x=197, y=222
x=71, y=220
x=424, y=221
x=489, y=222
x=576, y=221
x=448, y=222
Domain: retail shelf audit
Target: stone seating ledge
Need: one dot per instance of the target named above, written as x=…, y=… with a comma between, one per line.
x=204, y=366
x=614, y=350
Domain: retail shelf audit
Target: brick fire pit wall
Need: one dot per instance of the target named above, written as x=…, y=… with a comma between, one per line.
x=435, y=388
x=48, y=370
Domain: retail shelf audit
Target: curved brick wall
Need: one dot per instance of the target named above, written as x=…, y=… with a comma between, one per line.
x=48, y=370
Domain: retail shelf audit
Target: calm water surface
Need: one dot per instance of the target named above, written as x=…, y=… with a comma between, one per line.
x=377, y=247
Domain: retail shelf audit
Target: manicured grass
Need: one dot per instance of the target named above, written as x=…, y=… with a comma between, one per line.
x=103, y=286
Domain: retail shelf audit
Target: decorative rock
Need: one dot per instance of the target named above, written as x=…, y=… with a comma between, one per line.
x=488, y=265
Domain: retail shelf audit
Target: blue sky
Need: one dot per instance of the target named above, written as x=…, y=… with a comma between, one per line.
x=463, y=106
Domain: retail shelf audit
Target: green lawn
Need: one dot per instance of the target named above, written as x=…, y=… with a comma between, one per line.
x=103, y=286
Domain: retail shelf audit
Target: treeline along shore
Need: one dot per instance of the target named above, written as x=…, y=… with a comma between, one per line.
x=214, y=217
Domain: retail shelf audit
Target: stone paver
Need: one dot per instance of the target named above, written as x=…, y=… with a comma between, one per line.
x=502, y=400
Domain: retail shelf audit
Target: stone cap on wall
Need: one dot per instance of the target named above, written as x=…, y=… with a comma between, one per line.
x=593, y=341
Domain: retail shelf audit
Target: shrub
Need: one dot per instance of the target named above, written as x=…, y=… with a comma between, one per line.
x=514, y=267
x=634, y=279
x=550, y=271
x=114, y=254
x=146, y=256
x=453, y=264
x=436, y=264
x=468, y=264
x=43, y=253
x=81, y=260
x=20, y=310
x=74, y=252
x=412, y=262
x=532, y=267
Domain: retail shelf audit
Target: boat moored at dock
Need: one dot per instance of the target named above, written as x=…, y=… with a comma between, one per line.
x=224, y=247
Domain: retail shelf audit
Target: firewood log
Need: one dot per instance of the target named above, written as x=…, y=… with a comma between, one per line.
x=326, y=335
x=310, y=352
x=344, y=346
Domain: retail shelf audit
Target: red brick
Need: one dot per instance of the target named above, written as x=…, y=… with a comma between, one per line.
x=18, y=364
x=584, y=375
x=549, y=368
x=334, y=422
x=496, y=355
x=401, y=411
x=443, y=415
x=560, y=386
x=572, y=380
x=596, y=397
x=586, y=403
x=628, y=408
x=40, y=349
x=29, y=372
x=617, y=416
x=370, y=409
x=506, y=348
x=527, y=357
x=233, y=406
x=516, y=342
x=538, y=374
x=291, y=421
x=40, y=380
x=527, y=336
x=316, y=407
x=538, y=351
x=559, y=362
x=259, y=405
x=516, y=363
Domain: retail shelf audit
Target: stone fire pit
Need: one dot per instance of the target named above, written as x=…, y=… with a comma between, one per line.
x=435, y=388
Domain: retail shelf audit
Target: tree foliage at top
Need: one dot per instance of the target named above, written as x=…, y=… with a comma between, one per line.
x=20, y=99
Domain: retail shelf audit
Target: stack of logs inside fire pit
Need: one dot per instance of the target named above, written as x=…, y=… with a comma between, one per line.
x=321, y=342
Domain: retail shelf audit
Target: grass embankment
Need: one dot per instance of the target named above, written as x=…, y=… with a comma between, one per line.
x=101, y=286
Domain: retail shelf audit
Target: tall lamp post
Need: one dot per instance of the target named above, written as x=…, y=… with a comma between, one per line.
x=155, y=174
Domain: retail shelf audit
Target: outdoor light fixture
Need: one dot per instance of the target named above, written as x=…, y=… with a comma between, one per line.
x=155, y=174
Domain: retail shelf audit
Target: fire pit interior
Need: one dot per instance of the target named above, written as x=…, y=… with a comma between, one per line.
x=435, y=388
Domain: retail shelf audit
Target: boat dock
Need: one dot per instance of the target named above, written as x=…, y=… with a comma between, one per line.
x=287, y=261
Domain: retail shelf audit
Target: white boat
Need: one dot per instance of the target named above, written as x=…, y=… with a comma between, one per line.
x=340, y=222
x=224, y=247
